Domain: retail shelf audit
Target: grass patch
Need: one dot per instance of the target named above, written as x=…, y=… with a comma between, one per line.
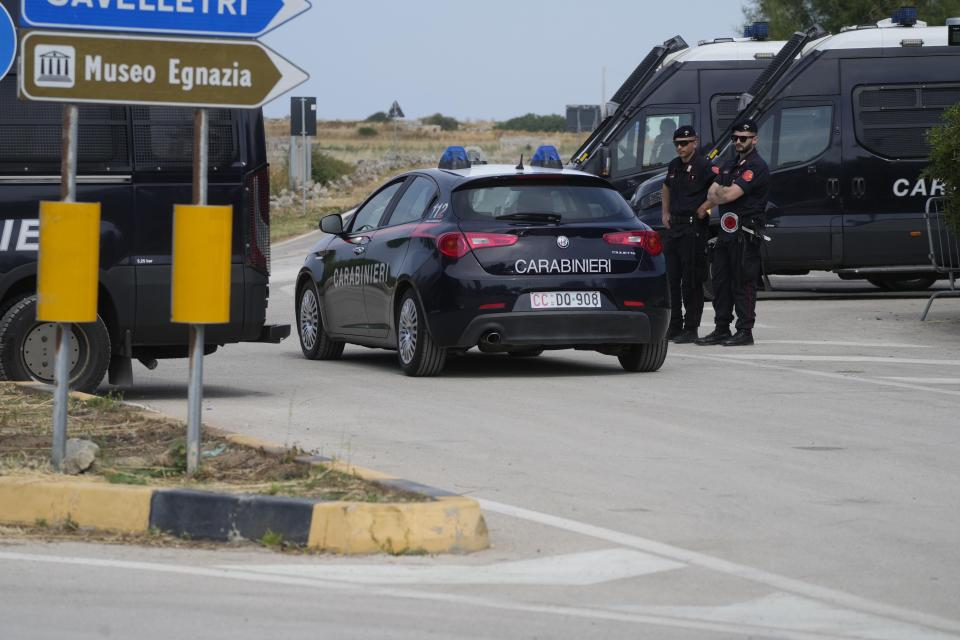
x=272, y=539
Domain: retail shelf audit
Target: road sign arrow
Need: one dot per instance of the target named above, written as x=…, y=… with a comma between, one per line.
x=8, y=42
x=73, y=67
x=229, y=18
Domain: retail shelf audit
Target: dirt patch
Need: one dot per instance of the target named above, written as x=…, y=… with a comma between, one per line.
x=139, y=447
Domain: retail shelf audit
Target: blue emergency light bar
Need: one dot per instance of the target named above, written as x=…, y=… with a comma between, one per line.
x=905, y=16
x=757, y=31
x=546, y=156
x=454, y=158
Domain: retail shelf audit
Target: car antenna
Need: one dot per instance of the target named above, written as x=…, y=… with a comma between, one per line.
x=519, y=167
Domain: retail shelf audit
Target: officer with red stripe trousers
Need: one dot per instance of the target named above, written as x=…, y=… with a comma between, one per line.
x=741, y=188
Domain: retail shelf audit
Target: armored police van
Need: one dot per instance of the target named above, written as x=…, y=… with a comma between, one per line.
x=844, y=132
x=674, y=85
x=137, y=162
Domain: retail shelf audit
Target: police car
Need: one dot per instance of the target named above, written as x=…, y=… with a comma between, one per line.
x=508, y=259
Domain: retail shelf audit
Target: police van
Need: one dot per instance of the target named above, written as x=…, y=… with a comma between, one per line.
x=844, y=132
x=137, y=162
x=674, y=85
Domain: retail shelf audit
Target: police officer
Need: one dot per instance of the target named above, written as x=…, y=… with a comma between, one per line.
x=685, y=211
x=741, y=187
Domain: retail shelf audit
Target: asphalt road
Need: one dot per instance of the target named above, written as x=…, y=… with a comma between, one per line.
x=805, y=487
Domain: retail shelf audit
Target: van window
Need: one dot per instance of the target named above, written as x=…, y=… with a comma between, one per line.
x=804, y=134
x=163, y=138
x=724, y=109
x=627, y=156
x=30, y=135
x=658, y=142
x=892, y=120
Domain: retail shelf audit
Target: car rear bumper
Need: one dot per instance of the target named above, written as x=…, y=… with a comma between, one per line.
x=567, y=328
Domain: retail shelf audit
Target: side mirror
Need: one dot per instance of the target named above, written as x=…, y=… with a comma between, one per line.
x=604, y=153
x=332, y=224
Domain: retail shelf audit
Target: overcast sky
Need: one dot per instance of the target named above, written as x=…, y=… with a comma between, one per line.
x=483, y=59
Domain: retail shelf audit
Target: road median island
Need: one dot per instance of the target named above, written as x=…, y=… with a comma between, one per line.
x=246, y=489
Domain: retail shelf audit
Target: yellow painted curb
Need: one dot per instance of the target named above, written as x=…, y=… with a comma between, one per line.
x=99, y=505
x=449, y=525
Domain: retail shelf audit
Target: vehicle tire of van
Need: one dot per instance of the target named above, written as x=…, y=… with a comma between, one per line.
x=27, y=348
x=644, y=357
x=314, y=341
x=918, y=283
x=418, y=354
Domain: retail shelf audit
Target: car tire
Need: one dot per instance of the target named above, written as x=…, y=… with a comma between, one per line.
x=27, y=348
x=918, y=283
x=417, y=353
x=526, y=353
x=644, y=357
x=314, y=341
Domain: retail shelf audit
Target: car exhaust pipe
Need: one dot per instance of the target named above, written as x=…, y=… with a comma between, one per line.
x=492, y=337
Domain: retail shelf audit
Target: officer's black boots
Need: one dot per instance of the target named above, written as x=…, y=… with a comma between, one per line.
x=741, y=338
x=673, y=333
x=716, y=337
x=688, y=336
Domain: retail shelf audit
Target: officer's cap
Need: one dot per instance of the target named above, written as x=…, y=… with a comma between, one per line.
x=686, y=131
x=747, y=126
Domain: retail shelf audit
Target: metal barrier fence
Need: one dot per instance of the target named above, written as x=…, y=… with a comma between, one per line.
x=944, y=249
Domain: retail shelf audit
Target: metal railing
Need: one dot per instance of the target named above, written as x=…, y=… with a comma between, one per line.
x=944, y=249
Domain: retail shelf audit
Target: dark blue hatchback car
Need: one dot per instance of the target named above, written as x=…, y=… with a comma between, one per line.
x=508, y=259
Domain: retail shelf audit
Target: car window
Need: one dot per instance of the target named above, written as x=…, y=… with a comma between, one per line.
x=658, y=146
x=414, y=201
x=574, y=203
x=804, y=134
x=369, y=215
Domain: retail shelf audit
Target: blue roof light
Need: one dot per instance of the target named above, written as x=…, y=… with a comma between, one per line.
x=757, y=31
x=546, y=156
x=905, y=16
x=454, y=158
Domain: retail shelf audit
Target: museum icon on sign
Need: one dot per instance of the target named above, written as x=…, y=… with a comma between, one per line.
x=54, y=66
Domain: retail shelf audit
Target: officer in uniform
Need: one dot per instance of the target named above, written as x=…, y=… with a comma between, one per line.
x=685, y=211
x=741, y=187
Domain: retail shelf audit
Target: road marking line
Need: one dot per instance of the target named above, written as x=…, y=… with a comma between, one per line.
x=820, y=374
x=781, y=583
x=449, y=598
x=574, y=569
x=840, y=343
x=815, y=358
x=923, y=380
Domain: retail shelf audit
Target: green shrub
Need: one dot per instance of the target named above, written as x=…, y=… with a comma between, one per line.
x=327, y=168
x=534, y=122
x=446, y=123
x=366, y=132
x=379, y=116
x=945, y=162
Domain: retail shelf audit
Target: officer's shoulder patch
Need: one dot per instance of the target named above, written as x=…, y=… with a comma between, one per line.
x=748, y=175
x=715, y=169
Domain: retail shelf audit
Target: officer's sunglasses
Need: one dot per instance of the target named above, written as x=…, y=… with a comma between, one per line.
x=742, y=138
x=680, y=144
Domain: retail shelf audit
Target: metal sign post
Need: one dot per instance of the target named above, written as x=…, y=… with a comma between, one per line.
x=201, y=123
x=306, y=152
x=61, y=370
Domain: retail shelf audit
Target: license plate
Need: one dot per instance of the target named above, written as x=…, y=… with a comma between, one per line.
x=565, y=300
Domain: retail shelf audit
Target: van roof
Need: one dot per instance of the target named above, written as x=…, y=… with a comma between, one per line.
x=879, y=38
x=738, y=49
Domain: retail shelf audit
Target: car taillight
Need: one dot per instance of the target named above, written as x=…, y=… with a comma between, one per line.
x=456, y=244
x=256, y=219
x=646, y=240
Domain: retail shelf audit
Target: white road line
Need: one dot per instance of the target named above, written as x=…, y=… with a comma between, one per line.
x=449, y=598
x=923, y=380
x=839, y=343
x=782, y=583
x=800, y=357
x=574, y=569
x=820, y=374
x=277, y=245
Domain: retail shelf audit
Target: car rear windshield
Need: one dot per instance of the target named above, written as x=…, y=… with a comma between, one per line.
x=583, y=202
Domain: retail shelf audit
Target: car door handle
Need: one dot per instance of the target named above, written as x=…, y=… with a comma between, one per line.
x=359, y=249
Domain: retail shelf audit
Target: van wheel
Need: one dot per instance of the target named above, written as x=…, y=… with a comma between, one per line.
x=314, y=341
x=644, y=357
x=419, y=355
x=919, y=283
x=28, y=348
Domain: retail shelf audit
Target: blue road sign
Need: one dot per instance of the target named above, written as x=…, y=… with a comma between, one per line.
x=8, y=42
x=228, y=18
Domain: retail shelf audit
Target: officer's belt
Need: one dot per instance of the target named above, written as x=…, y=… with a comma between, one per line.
x=679, y=218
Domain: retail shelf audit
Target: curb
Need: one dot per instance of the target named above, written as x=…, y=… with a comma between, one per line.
x=450, y=524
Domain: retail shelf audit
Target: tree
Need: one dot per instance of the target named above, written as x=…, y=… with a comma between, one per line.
x=945, y=162
x=446, y=123
x=787, y=16
x=379, y=116
x=534, y=122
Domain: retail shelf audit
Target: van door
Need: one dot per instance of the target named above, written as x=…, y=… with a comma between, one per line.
x=800, y=140
x=883, y=216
